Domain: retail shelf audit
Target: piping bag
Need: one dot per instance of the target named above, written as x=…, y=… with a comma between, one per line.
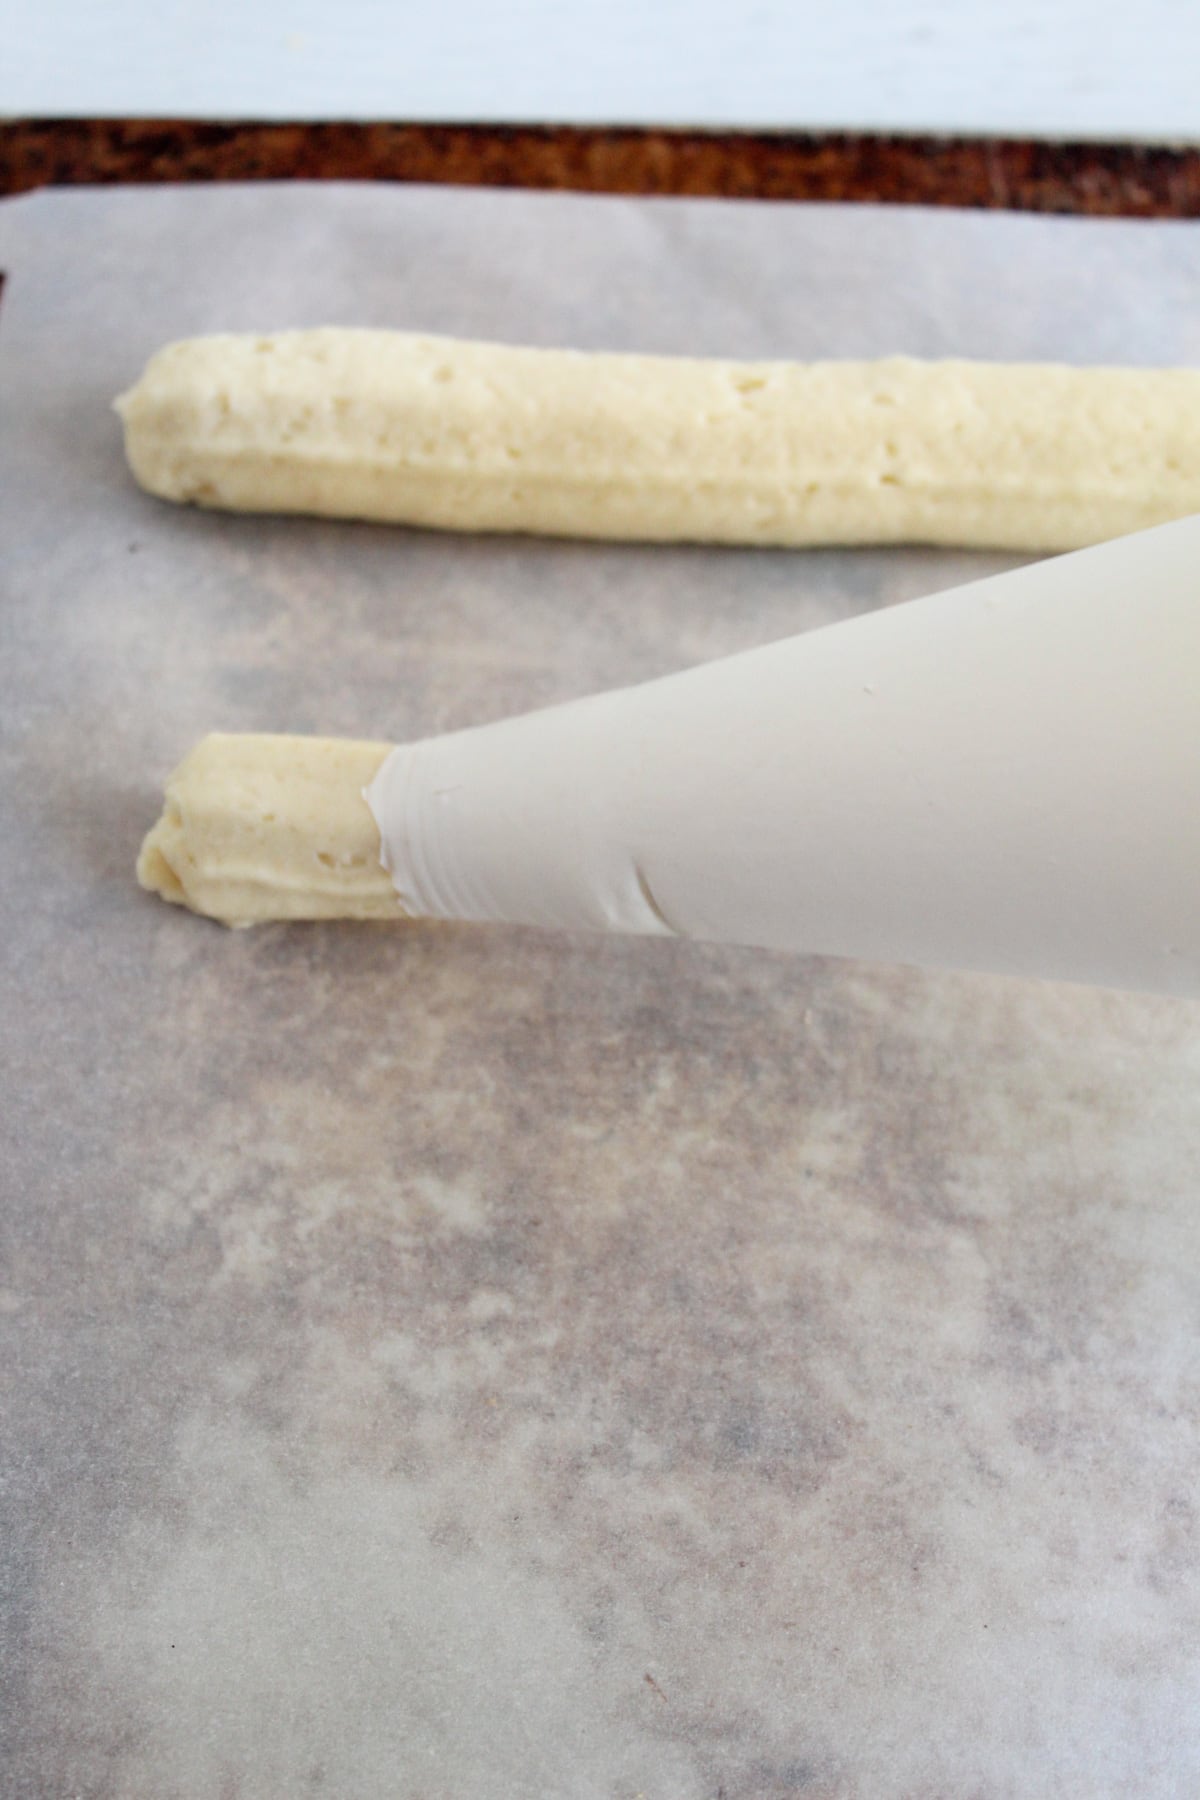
x=1002, y=777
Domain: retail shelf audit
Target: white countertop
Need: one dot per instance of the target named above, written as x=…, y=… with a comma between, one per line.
x=1074, y=68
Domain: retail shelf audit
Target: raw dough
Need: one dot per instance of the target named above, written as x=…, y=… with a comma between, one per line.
x=486, y=437
x=258, y=827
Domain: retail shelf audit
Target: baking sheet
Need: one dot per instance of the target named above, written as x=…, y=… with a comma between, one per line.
x=463, y=1362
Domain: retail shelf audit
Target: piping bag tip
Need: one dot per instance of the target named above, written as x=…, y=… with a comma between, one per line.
x=1002, y=777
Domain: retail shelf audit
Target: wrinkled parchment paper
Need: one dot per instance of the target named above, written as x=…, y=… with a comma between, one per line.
x=477, y=1363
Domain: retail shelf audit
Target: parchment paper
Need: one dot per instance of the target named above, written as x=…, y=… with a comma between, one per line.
x=448, y=1362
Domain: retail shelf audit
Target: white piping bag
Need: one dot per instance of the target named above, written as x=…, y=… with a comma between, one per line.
x=1003, y=777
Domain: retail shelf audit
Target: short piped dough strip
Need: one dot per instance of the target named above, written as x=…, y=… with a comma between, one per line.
x=486, y=437
x=261, y=827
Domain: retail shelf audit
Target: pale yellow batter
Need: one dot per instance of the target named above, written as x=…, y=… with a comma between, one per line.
x=485, y=437
x=258, y=827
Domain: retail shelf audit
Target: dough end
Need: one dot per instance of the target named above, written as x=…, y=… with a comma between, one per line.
x=257, y=828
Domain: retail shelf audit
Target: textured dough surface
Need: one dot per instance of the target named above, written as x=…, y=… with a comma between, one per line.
x=486, y=437
x=261, y=827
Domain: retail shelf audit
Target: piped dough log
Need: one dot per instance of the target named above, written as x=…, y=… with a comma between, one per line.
x=1003, y=777
x=259, y=827
x=487, y=437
